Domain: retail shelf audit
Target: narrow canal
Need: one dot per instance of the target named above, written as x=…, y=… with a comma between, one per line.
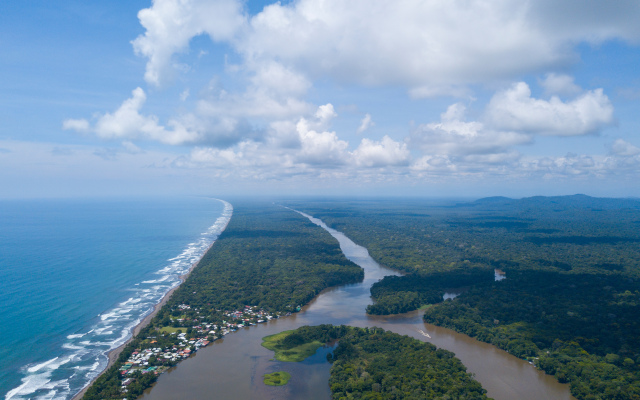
x=233, y=367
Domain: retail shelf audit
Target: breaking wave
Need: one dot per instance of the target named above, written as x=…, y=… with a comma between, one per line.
x=84, y=354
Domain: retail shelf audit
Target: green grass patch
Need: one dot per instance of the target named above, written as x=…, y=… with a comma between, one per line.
x=290, y=347
x=277, y=378
x=424, y=307
x=171, y=329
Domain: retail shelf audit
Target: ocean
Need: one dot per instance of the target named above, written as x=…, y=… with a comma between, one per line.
x=77, y=275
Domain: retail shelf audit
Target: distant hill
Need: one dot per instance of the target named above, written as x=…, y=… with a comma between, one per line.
x=556, y=203
x=495, y=200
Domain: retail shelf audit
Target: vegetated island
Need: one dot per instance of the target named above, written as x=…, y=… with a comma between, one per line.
x=290, y=346
x=267, y=263
x=371, y=363
x=279, y=378
x=570, y=303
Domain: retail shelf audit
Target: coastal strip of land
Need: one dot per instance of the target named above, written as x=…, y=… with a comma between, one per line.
x=113, y=354
x=267, y=263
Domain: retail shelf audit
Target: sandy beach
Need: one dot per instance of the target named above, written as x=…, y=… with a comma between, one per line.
x=113, y=354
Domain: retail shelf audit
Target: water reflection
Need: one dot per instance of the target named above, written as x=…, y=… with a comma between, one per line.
x=233, y=368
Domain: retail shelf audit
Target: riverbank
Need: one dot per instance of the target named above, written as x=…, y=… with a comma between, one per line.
x=227, y=292
x=233, y=369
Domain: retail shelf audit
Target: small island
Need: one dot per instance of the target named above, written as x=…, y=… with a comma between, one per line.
x=378, y=364
x=290, y=346
x=279, y=378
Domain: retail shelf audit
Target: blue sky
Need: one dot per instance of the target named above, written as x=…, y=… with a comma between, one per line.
x=224, y=97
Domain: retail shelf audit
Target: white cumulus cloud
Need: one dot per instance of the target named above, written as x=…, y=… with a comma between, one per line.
x=386, y=152
x=127, y=123
x=256, y=120
x=324, y=147
x=365, y=124
x=559, y=84
x=78, y=125
x=273, y=91
x=434, y=163
x=625, y=149
x=453, y=135
x=431, y=48
x=515, y=109
x=171, y=24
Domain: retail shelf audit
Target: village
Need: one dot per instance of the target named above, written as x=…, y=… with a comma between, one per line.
x=156, y=355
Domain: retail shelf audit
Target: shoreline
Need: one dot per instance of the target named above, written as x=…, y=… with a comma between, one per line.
x=113, y=354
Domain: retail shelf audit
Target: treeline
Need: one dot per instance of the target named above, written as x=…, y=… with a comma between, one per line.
x=108, y=385
x=572, y=233
x=400, y=294
x=570, y=299
x=268, y=257
x=581, y=328
x=371, y=363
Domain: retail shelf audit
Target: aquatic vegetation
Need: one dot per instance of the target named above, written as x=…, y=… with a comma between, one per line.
x=289, y=346
x=279, y=378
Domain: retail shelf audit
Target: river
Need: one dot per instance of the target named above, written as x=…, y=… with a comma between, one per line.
x=233, y=367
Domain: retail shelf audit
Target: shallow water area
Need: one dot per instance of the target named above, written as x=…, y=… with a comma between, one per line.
x=78, y=275
x=233, y=368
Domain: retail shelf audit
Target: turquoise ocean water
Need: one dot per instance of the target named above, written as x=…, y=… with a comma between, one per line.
x=77, y=275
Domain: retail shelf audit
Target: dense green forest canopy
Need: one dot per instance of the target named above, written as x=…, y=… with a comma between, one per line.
x=269, y=258
x=570, y=300
x=571, y=233
x=371, y=363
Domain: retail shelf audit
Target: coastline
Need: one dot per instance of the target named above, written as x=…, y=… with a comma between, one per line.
x=113, y=354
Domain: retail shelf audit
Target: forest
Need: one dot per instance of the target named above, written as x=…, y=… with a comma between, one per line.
x=269, y=257
x=371, y=363
x=400, y=294
x=569, y=302
x=269, y=261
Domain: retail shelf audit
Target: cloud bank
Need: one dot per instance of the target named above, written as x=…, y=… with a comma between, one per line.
x=265, y=124
x=428, y=47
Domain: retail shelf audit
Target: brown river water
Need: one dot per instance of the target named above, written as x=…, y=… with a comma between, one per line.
x=233, y=367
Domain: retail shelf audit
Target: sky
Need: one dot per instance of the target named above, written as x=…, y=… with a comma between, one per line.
x=432, y=98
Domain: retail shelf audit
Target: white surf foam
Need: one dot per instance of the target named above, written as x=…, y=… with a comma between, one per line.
x=39, y=378
x=38, y=367
x=29, y=385
x=76, y=336
x=87, y=351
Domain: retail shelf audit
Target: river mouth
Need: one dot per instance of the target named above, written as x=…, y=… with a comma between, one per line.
x=233, y=368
